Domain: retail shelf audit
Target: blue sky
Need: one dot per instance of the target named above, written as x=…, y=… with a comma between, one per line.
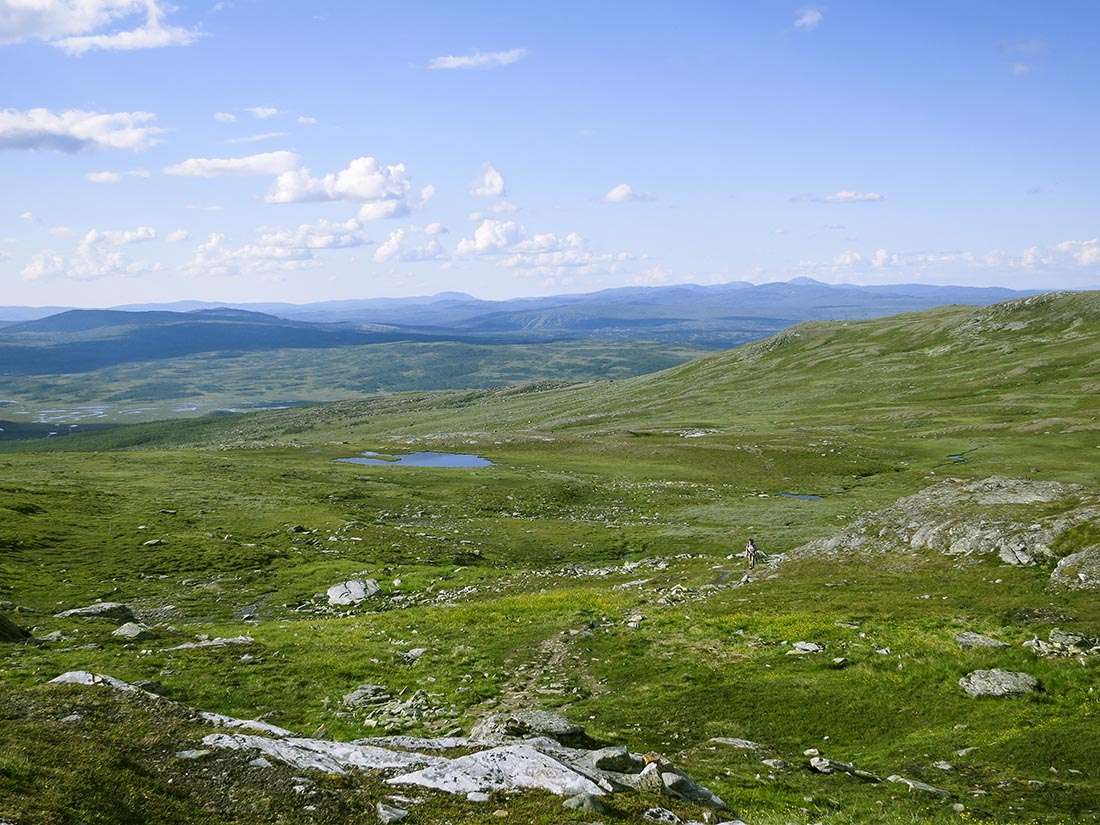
x=261, y=150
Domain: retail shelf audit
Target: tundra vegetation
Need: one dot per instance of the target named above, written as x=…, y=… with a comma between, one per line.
x=918, y=644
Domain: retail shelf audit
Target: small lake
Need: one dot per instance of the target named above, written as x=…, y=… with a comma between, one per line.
x=423, y=459
x=802, y=496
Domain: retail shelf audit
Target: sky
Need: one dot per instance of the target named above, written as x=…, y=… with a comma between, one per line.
x=256, y=150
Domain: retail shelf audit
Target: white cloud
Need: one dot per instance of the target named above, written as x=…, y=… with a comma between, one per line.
x=545, y=254
x=491, y=236
x=624, y=193
x=258, y=138
x=275, y=250
x=427, y=193
x=504, y=208
x=435, y=229
x=177, y=235
x=1082, y=253
x=79, y=26
x=26, y=216
x=225, y=117
x=394, y=248
x=850, y=196
x=263, y=112
x=477, y=60
x=267, y=163
x=104, y=177
x=307, y=121
x=120, y=237
x=489, y=185
x=849, y=257
x=382, y=190
x=808, y=19
x=74, y=130
x=96, y=256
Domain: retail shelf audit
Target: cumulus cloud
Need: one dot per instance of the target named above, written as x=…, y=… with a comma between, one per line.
x=304, y=120
x=263, y=112
x=489, y=184
x=395, y=248
x=279, y=250
x=624, y=193
x=545, y=254
x=74, y=130
x=79, y=26
x=225, y=117
x=96, y=256
x=178, y=235
x=435, y=229
x=808, y=18
x=477, y=60
x=267, y=163
x=491, y=236
x=383, y=190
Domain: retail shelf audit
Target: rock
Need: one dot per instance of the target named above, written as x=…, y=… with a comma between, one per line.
x=11, y=632
x=389, y=813
x=352, y=592
x=805, y=647
x=650, y=780
x=504, y=768
x=840, y=663
x=969, y=639
x=411, y=656
x=617, y=759
x=366, y=695
x=1062, y=643
x=822, y=765
x=221, y=721
x=1078, y=571
x=132, y=631
x=1063, y=639
x=320, y=754
x=775, y=764
x=943, y=766
x=218, y=642
x=259, y=762
x=152, y=543
x=477, y=796
x=54, y=636
x=586, y=802
x=998, y=683
x=193, y=754
x=526, y=723
x=915, y=785
x=100, y=610
x=687, y=788
x=660, y=815
x=733, y=742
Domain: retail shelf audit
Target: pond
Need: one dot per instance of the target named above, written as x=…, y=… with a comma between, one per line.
x=422, y=459
x=802, y=496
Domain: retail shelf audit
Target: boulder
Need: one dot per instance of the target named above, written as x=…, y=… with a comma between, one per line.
x=1078, y=571
x=504, y=768
x=970, y=639
x=820, y=764
x=132, y=631
x=661, y=815
x=805, y=647
x=352, y=592
x=100, y=610
x=11, y=632
x=617, y=760
x=915, y=785
x=366, y=695
x=688, y=789
x=733, y=742
x=998, y=683
x=521, y=724
x=320, y=754
x=587, y=803
x=389, y=813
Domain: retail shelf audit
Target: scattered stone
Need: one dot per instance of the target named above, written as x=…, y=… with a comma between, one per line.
x=259, y=762
x=11, y=632
x=100, y=610
x=527, y=723
x=193, y=754
x=661, y=815
x=411, y=656
x=1078, y=571
x=352, y=592
x=943, y=766
x=969, y=639
x=587, y=803
x=915, y=785
x=389, y=813
x=218, y=642
x=477, y=796
x=366, y=695
x=840, y=662
x=152, y=543
x=54, y=636
x=775, y=764
x=820, y=764
x=997, y=683
x=805, y=647
x=1061, y=643
x=740, y=744
x=132, y=631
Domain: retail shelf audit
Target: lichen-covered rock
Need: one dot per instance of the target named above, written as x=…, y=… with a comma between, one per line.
x=998, y=683
x=100, y=610
x=1078, y=571
x=352, y=592
x=970, y=639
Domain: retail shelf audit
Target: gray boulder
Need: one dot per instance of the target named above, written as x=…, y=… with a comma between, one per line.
x=998, y=683
x=132, y=631
x=587, y=803
x=100, y=610
x=352, y=592
x=1078, y=571
x=11, y=632
x=367, y=695
x=523, y=724
x=389, y=813
x=916, y=785
x=970, y=639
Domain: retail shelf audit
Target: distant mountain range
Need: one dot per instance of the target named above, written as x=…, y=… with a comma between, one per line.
x=54, y=340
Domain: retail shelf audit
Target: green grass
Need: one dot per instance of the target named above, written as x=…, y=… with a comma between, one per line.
x=860, y=413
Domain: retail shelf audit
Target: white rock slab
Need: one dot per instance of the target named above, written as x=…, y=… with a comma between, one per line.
x=320, y=754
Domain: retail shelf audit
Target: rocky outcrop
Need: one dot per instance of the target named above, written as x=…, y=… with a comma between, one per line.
x=523, y=724
x=1006, y=518
x=1078, y=571
x=998, y=683
x=100, y=610
x=1061, y=643
x=352, y=592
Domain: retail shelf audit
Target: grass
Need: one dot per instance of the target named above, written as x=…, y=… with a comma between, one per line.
x=584, y=478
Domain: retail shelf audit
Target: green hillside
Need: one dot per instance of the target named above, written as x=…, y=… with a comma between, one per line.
x=590, y=570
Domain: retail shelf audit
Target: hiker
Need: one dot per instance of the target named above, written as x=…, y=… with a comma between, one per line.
x=751, y=553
